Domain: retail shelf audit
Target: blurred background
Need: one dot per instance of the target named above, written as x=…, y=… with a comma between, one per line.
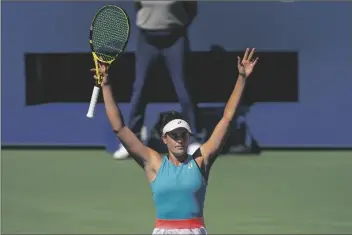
x=286, y=167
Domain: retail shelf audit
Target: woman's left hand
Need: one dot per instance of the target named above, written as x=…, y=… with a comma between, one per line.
x=246, y=66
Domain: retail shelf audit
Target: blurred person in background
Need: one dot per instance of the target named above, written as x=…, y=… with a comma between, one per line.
x=163, y=29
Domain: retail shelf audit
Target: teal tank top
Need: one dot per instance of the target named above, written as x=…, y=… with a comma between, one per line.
x=179, y=191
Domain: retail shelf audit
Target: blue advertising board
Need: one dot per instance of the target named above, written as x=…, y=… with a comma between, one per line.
x=320, y=32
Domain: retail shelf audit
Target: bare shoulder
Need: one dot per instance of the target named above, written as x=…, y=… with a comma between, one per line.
x=203, y=164
x=155, y=160
x=198, y=157
x=153, y=165
x=155, y=157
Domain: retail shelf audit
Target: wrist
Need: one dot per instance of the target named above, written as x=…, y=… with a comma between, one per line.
x=105, y=84
x=242, y=75
x=105, y=80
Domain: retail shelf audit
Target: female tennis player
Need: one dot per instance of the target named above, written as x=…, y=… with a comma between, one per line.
x=178, y=180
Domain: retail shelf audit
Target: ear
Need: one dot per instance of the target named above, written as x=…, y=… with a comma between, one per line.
x=164, y=137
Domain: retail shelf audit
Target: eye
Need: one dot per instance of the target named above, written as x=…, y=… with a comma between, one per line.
x=180, y=135
x=184, y=135
x=173, y=135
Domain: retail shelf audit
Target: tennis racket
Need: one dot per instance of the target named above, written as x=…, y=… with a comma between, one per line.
x=109, y=34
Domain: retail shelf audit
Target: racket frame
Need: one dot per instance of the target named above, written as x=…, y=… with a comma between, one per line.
x=96, y=59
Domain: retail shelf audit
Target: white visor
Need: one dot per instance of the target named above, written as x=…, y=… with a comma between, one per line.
x=174, y=124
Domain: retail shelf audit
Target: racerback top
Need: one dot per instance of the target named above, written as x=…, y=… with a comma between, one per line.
x=179, y=191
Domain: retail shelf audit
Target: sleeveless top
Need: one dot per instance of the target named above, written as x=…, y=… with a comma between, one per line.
x=179, y=191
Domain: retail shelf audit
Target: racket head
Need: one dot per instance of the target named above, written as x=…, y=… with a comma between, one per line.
x=109, y=33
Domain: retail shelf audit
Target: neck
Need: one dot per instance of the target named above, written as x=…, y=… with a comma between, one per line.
x=177, y=160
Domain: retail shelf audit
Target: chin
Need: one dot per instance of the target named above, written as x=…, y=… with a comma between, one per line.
x=179, y=153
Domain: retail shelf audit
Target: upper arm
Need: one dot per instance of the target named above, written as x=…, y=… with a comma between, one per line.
x=141, y=154
x=211, y=148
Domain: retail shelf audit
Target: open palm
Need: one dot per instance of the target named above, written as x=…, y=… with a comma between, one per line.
x=246, y=66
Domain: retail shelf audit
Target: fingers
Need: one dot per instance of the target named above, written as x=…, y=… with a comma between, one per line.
x=238, y=61
x=101, y=69
x=251, y=54
x=102, y=65
x=255, y=61
x=246, y=54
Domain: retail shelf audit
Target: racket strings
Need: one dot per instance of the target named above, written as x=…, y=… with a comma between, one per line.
x=110, y=33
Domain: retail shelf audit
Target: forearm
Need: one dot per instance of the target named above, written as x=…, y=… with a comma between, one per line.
x=212, y=147
x=112, y=110
x=234, y=100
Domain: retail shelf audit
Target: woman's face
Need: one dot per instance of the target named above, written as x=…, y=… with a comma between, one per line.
x=177, y=141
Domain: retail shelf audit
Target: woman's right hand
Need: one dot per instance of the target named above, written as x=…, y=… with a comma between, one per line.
x=103, y=72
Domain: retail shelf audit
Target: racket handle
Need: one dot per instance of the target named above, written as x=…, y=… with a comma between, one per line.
x=93, y=102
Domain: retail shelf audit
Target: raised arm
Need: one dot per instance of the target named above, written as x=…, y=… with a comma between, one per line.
x=210, y=149
x=140, y=153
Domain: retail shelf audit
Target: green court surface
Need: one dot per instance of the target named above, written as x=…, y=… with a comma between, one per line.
x=87, y=192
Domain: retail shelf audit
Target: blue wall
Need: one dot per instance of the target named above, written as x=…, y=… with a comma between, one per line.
x=321, y=32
